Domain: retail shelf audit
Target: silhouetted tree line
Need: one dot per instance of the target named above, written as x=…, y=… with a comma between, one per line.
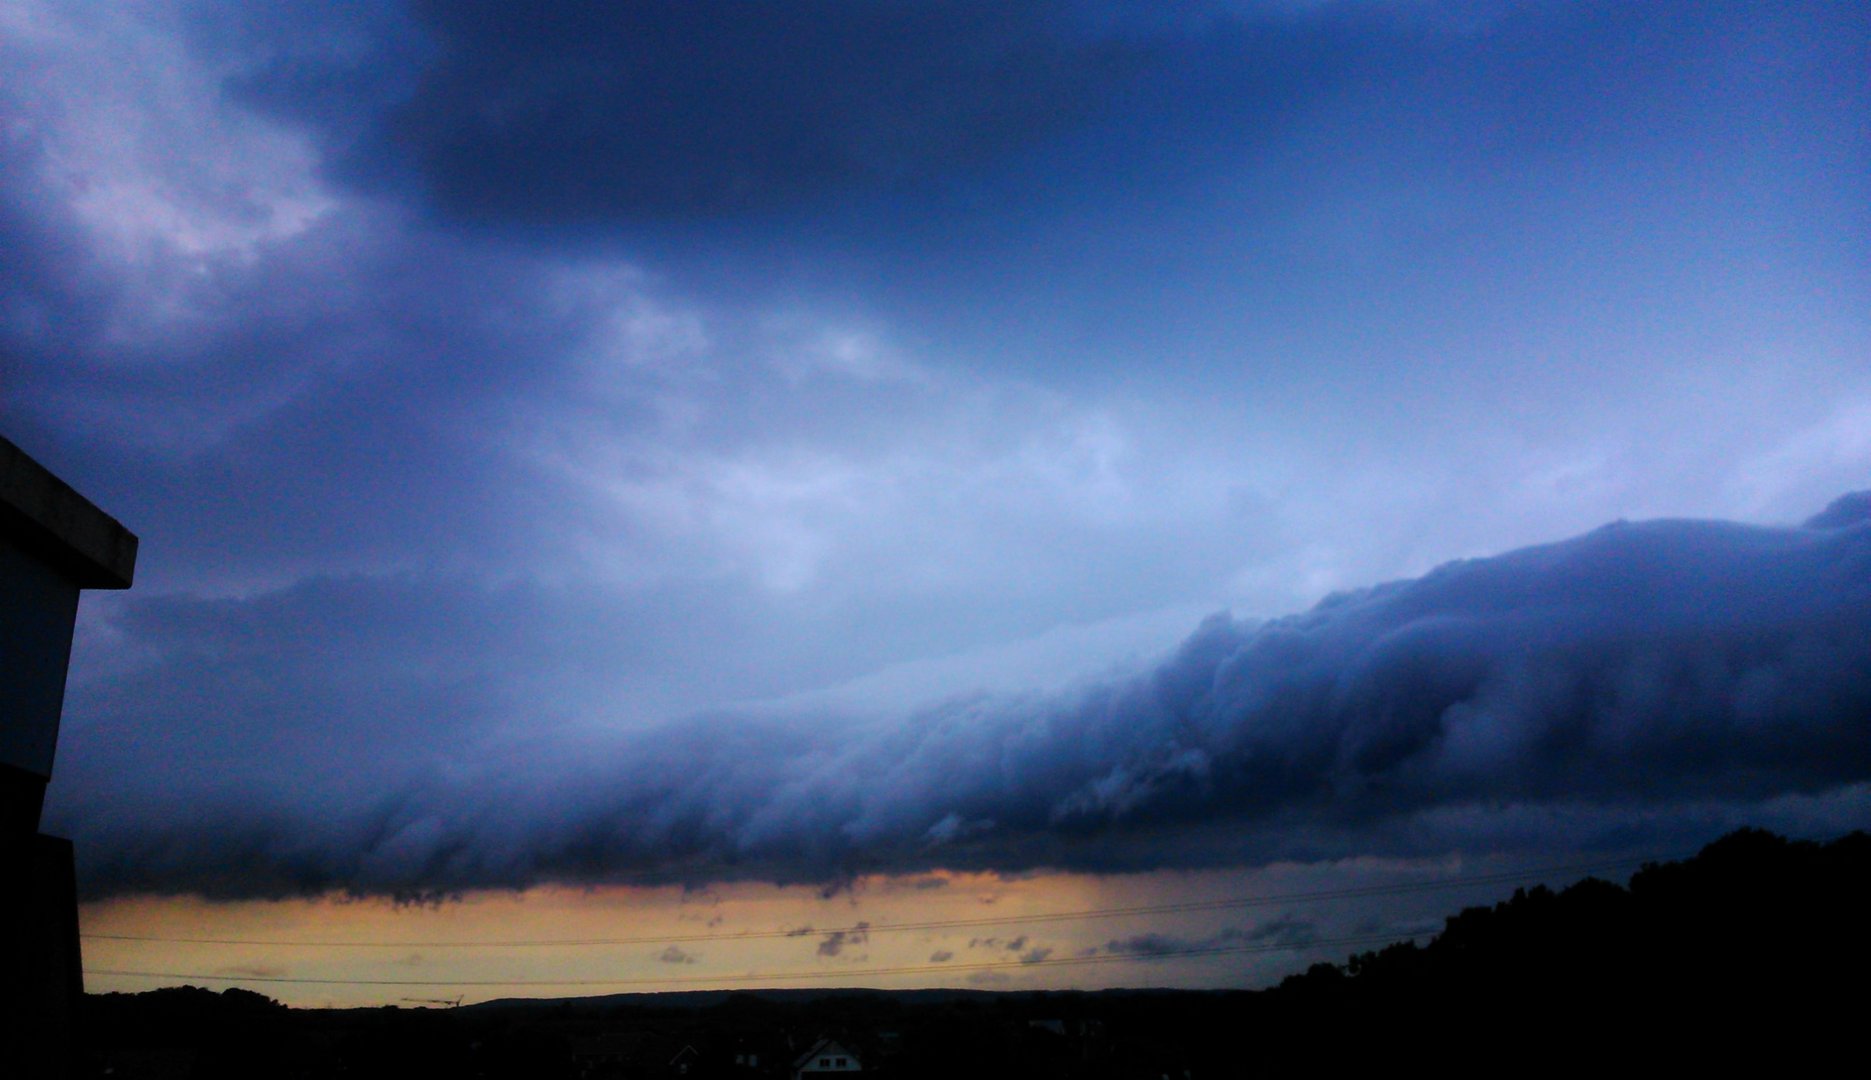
x=1746, y=956
x=1753, y=949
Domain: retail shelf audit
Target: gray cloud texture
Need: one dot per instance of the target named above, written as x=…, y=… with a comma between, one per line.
x=1630, y=679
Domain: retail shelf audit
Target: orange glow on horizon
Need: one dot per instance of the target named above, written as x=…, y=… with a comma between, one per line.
x=927, y=930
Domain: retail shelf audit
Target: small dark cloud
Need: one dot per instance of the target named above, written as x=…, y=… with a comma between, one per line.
x=676, y=955
x=1035, y=955
x=840, y=884
x=941, y=956
x=1147, y=945
x=254, y=971
x=836, y=941
x=1286, y=932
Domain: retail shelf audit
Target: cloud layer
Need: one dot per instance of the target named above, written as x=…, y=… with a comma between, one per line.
x=1609, y=688
x=699, y=440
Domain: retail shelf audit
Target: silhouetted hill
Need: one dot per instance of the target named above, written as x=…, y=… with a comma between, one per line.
x=703, y=999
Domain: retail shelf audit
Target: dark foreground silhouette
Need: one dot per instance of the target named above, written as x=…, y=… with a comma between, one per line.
x=1752, y=954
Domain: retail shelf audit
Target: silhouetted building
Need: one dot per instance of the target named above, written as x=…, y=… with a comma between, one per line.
x=53, y=543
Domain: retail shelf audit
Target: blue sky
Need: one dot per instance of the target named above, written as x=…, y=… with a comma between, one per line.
x=569, y=403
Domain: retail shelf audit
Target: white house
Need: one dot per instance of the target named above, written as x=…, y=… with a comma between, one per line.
x=825, y=1057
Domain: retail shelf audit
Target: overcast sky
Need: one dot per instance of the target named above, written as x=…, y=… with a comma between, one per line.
x=782, y=441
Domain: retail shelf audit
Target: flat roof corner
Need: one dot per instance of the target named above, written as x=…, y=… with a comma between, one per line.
x=44, y=513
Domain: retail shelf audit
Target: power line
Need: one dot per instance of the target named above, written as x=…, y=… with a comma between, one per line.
x=1235, y=903
x=830, y=973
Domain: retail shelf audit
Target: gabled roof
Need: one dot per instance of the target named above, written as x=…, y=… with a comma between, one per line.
x=825, y=1047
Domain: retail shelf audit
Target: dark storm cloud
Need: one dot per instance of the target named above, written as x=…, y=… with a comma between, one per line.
x=333, y=372
x=1608, y=688
x=591, y=111
x=1285, y=931
x=433, y=523
x=259, y=371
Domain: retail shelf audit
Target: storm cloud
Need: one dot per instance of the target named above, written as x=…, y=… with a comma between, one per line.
x=604, y=112
x=1640, y=678
x=784, y=441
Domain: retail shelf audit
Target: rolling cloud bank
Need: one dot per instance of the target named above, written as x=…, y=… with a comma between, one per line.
x=1647, y=682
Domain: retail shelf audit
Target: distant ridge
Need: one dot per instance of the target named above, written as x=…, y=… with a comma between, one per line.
x=706, y=999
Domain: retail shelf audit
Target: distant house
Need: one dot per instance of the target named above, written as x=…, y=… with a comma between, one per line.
x=630, y=1054
x=1080, y=1039
x=613, y=1054
x=750, y=1052
x=825, y=1056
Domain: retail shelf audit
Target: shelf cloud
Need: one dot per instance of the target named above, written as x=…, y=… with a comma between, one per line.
x=1642, y=678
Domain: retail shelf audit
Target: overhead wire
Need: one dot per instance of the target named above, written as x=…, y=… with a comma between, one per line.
x=1182, y=907
x=827, y=973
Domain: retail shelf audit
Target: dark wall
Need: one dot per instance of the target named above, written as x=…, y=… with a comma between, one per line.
x=36, y=629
